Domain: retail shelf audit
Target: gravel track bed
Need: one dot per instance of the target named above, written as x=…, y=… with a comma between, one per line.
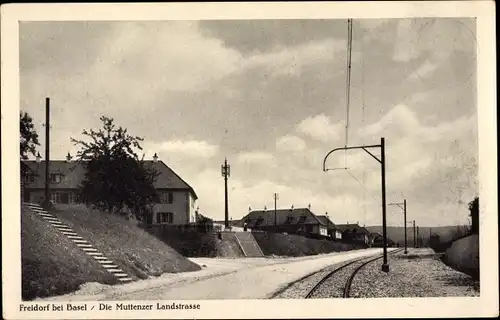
x=299, y=289
x=418, y=274
x=333, y=287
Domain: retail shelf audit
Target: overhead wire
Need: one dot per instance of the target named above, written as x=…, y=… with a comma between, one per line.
x=348, y=84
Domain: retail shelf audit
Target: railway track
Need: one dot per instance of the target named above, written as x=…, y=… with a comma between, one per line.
x=344, y=291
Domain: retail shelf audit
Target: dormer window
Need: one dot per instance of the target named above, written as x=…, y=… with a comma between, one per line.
x=55, y=177
x=259, y=221
x=28, y=178
x=302, y=219
x=288, y=220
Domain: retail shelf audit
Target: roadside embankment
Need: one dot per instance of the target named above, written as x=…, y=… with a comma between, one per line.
x=51, y=263
x=291, y=245
x=463, y=255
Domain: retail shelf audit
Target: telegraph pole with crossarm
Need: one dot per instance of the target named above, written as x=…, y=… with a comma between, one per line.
x=226, y=172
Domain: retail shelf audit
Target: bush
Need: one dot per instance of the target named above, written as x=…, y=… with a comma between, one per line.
x=189, y=240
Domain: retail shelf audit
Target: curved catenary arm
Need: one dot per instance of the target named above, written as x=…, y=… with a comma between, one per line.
x=348, y=148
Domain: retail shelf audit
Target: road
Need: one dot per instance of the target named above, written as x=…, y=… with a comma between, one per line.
x=243, y=278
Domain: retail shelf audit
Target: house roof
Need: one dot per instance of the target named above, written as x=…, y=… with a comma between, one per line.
x=283, y=217
x=353, y=226
x=326, y=220
x=73, y=173
x=231, y=222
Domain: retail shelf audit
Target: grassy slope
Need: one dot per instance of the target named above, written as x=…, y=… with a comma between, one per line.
x=397, y=233
x=52, y=264
x=228, y=247
x=134, y=250
x=296, y=246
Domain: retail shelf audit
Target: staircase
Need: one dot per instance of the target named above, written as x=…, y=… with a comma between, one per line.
x=248, y=244
x=83, y=244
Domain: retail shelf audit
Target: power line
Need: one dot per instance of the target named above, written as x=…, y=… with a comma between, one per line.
x=348, y=82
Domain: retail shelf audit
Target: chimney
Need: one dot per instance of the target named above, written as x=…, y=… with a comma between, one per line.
x=155, y=158
x=291, y=208
x=265, y=208
x=68, y=158
x=38, y=158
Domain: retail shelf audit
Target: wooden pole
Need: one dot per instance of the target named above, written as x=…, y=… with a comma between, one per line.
x=47, y=152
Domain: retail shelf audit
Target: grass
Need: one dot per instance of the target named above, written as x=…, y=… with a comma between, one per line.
x=296, y=246
x=51, y=263
x=194, y=243
x=134, y=250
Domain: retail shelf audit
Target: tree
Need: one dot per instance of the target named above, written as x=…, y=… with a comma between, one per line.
x=28, y=136
x=474, y=215
x=115, y=176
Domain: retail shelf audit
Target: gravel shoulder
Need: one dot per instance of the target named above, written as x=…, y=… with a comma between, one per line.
x=420, y=273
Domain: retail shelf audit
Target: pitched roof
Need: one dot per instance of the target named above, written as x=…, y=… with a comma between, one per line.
x=73, y=173
x=231, y=222
x=283, y=217
x=326, y=220
x=352, y=226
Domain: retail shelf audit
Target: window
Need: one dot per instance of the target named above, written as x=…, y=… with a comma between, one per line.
x=65, y=198
x=55, y=177
x=259, y=221
x=28, y=178
x=288, y=220
x=55, y=197
x=302, y=219
x=164, y=217
x=166, y=197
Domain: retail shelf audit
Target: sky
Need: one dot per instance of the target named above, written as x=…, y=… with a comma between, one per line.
x=270, y=96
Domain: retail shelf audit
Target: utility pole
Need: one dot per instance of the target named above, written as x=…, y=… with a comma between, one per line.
x=226, y=172
x=385, y=265
x=430, y=235
x=47, y=152
x=275, y=196
x=414, y=236
x=404, y=212
x=418, y=238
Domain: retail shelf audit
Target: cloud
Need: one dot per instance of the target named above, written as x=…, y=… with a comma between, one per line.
x=291, y=61
x=440, y=38
x=198, y=99
x=406, y=38
x=424, y=71
x=260, y=193
x=320, y=128
x=257, y=157
x=191, y=148
x=290, y=143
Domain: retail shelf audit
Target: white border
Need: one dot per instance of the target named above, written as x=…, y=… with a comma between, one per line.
x=485, y=305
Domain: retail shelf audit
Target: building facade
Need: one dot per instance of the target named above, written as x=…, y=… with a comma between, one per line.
x=295, y=221
x=355, y=233
x=176, y=199
x=333, y=232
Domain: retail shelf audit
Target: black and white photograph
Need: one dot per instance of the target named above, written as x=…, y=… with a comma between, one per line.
x=167, y=163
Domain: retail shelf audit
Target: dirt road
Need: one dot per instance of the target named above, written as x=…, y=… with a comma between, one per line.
x=243, y=278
